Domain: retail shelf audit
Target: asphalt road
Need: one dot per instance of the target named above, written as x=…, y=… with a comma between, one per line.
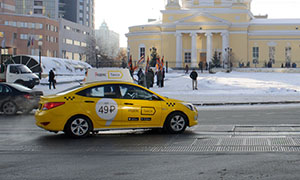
x=27, y=152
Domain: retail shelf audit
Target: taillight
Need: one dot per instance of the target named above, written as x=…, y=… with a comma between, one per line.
x=52, y=105
x=28, y=96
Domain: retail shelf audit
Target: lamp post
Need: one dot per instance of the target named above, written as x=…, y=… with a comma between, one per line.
x=97, y=49
x=40, y=44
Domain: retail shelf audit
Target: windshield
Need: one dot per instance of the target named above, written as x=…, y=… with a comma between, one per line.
x=68, y=90
x=23, y=69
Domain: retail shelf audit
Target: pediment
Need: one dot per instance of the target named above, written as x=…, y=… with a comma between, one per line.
x=203, y=18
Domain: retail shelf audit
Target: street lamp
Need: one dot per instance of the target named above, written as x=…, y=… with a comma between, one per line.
x=40, y=44
x=97, y=49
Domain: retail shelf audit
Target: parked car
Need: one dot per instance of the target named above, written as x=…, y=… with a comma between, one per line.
x=112, y=105
x=15, y=98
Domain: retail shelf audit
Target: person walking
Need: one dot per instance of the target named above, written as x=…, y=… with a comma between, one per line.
x=52, y=80
x=186, y=69
x=194, y=76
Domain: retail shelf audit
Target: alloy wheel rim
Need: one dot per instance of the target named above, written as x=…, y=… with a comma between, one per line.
x=9, y=108
x=177, y=123
x=79, y=127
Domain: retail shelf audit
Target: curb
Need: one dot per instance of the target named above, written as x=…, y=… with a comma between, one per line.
x=245, y=103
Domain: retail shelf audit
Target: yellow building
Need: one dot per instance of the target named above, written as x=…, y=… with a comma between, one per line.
x=195, y=30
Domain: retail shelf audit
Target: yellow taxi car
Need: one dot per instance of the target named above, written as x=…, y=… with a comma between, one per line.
x=97, y=106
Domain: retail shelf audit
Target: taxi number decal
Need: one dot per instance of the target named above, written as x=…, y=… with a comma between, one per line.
x=107, y=109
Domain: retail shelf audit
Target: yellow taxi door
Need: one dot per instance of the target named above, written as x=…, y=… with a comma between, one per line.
x=141, y=108
x=104, y=105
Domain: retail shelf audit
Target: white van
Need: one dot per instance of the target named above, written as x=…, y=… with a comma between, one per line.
x=108, y=74
x=20, y=74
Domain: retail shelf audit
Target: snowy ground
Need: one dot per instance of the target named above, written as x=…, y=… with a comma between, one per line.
x=235, y=87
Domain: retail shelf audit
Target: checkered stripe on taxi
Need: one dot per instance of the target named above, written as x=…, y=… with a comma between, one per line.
x=170, y=104
x=70, y=98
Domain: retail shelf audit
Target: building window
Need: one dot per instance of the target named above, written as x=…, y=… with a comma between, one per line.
x=38, y=11
x=255, y=55
x=272, y=54
x=38, y=3
x=76, y=43
x=187, y=57
x=288, y=54
x=142, y=51
x=69, y=41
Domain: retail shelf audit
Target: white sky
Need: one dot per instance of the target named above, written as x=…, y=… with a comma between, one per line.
x=121, y=14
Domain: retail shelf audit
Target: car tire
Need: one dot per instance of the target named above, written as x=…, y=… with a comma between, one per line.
x=9, y=108
x=78, y=127
x=176, y=123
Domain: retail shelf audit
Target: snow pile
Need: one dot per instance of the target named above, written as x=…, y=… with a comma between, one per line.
x=235, y=87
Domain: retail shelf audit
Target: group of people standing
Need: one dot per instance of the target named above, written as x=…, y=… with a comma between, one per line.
x=147, y=79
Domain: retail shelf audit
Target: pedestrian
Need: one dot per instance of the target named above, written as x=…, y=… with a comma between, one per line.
x=163, y=77
x=140, y=75
x=149, y=78
x=51, y=80
x=186, y=69
x=201, y=66
x=159, y=78
x=194, y=76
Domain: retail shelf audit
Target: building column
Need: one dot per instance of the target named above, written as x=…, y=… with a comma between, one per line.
x=178, y=50
x=209, y=47
x=194, y=49
x=225, y=44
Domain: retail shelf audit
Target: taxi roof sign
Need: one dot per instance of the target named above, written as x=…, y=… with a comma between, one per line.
x=108, y=74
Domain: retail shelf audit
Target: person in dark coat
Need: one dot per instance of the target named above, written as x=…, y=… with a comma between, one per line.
x=141, y=77
x=159, y=78
x=186, y=69
x=163, y=77
x=201, y=66
x=52, y=80
x=194, y=76
x=149, y=79
x=152, y=77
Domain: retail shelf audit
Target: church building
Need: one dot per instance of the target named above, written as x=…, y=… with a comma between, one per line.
x=195, y=31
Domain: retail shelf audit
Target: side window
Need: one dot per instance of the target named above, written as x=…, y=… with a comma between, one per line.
x=133, y=92
x=4, y=90
x=106, y=91
x=13, y=69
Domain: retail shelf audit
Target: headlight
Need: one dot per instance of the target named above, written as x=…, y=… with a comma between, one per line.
x=189, y=106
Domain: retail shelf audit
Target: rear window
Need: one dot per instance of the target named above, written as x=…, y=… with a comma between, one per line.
x=69, y=90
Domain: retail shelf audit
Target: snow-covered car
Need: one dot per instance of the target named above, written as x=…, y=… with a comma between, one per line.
x=15, y=97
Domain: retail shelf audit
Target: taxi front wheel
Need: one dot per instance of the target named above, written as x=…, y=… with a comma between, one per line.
x=78, y=127
x=176, y=123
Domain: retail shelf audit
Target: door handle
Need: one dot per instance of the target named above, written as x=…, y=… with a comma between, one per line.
x=89, y=101
x=130, y=104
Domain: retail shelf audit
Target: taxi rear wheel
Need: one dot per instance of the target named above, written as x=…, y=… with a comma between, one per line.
x=78, y=127
x=176, y=123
